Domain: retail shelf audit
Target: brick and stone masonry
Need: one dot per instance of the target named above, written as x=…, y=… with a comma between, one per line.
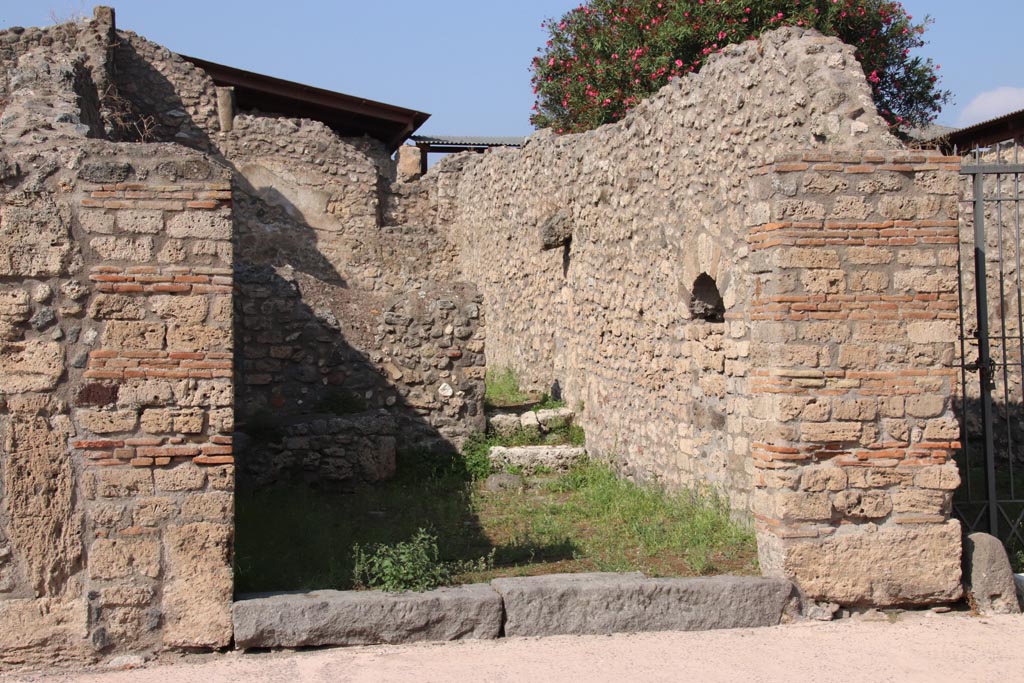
x=748, y=284
x=856, y=317
x=745, y=285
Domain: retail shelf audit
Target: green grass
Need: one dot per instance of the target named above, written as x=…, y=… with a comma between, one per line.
x=501, y=388
x=477, y=446
x=292, y=538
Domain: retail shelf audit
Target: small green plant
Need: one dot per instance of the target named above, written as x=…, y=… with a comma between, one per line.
x=475, y=456
x=412, y=565
x=576, y=436
x=548, y=403
x=501, y=388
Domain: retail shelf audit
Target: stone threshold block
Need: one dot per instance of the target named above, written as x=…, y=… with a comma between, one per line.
x=532, y=458
x=331, y=617
x=599, y=603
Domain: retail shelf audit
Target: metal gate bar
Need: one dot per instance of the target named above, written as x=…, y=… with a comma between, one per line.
x=998, y=509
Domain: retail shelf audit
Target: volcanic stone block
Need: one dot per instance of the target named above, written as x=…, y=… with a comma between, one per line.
x=618, y=603
x=988, y=574
x=366, y=617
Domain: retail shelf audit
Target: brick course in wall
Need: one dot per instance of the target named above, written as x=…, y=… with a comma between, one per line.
x=855, y=319
x=154, y=405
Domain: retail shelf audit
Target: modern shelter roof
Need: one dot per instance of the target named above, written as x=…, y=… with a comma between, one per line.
x=345, y=114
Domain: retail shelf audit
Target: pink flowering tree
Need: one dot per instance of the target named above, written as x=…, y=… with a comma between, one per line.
x=604, y=56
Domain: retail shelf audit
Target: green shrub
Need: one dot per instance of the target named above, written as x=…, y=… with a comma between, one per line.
x=604, y=56
x=412, y=565
x=475, y=455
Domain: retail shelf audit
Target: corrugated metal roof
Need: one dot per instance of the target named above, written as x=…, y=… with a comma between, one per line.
x=468, y=140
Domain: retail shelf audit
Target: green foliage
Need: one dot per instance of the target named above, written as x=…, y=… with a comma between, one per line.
x=412, y=565
x=501, y=388
x=630, y=523
x=604, y=56
x=575, y=435
x=548, y=403
x=474, y=454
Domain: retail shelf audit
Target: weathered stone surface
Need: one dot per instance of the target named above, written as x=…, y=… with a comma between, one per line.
x=559, y=604
x=988, y=576
x=46, y=632
x=554, y=418
x=39, y=500
x=107, y=422
x=34, y=365
x=503, y=424
x=912, y=564
x=202, y=225
x=530, y=458
x=36, y=241
x=124, y=557
x=410, y=161
x=366, y=617
x=503, y=481
x=198, y=585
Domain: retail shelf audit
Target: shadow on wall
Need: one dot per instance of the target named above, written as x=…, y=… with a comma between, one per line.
x=144, y=106
x=345, y=402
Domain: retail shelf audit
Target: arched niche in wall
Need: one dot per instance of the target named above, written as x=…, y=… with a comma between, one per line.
x=706, y=301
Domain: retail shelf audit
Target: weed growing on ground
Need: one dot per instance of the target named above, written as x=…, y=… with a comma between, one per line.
x=291, y=537
x=407, y=565
x=548, y=403
x=501, y=388
x=413, y=565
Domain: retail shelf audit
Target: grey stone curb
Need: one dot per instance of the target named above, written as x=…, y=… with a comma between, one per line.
x=557, y=604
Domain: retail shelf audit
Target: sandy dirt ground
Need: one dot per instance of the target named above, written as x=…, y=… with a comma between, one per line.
x=915, y=647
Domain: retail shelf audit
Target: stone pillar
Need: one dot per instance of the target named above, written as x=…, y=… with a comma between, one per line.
x=152, y=394
x=226, y=108
x=853, y=342
x=410, y=163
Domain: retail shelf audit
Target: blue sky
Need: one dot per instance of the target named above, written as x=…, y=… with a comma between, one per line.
x=466, y=61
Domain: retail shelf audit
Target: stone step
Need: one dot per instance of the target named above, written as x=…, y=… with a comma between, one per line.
x=542, y=421
x=556, y=604
x=331, y=617
x=530, y=458
x=578, y=604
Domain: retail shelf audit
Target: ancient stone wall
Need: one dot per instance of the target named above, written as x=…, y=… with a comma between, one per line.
x=727, y=313
x=116, y=413
x=587, y=249
x=855, y=325
x=342, y=311
x=117, y=458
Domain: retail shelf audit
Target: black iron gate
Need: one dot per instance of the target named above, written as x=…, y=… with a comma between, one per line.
x=991, y=460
